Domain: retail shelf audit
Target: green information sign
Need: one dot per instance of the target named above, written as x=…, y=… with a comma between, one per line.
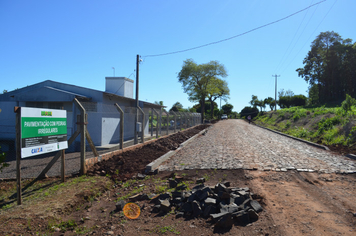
x=42, y=131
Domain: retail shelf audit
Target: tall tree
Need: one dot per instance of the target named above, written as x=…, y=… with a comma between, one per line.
x=269, y=101
x=176, y=107
x=196, y=78
x=254, y=101
x=331, y=65
x=217, y=88
x=227, y=108
x=159, y=103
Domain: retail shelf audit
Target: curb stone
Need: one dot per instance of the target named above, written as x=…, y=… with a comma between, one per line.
x=295, y=138
x=154, y=165
x=352, y=156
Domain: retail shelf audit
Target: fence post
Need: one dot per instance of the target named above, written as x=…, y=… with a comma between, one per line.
x=151, y=122
x=186, y=119
x=167, y=123
x=82, y=137
x=135, y=126
x=180, y=121
x=175, y=121
x=157, y=122
x=160, y=121
x=142, y=125
x=122, y=115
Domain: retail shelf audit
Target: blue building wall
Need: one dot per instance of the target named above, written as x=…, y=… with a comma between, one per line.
x=103, y=117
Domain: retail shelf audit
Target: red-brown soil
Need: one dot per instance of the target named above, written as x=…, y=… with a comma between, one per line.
x=294, y=203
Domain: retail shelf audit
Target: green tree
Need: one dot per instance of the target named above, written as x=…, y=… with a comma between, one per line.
x=269, y=101
x=284, y=102
x=331, y=65
x=313, y=95
x=159, y=103
x=227, y=108
x=249, y=111
x=298, y=100
x=207, y=107
x=177, y=107
x=195, y=79
x=217, y=88
x=254, y=101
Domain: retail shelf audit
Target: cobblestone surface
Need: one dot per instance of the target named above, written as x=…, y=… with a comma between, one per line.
x=234, y=144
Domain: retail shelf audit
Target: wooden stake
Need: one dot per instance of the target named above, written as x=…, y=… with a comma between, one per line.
x=18, y=154
x=63, y=166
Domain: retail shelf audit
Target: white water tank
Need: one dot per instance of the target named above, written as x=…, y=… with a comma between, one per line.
x=121, y=86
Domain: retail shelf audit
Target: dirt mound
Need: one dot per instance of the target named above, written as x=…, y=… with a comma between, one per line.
x=123, y=166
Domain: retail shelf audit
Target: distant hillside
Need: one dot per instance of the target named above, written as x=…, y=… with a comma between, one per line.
x=328, y=126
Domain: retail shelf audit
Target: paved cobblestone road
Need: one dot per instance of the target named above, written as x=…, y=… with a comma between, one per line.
x=234, y=144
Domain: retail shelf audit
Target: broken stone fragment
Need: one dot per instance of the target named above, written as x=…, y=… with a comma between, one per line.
x=177, y=194
x=242, y=218
x=223, y=220
x=186, y=207
x=226, y=183
x=165, y=206
x=210, y=201
x=196, y=209
x=220, y=188
x=172, y=183
x=141, y=176
x=200, y=181
x=237, y=199
x=138, y=197
x=201, y=194
x=197, y=187
x=210, y=209
x=156, y=208
x=252, y=215
x=256, y=206
x=120, y=205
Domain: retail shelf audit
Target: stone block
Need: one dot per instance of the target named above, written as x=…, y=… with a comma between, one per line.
x=224, y=221
x=252, y=215
x=120, y=205
x=256, y=206
x=210, y=209
x=165, y=206
x=196, y=209
x=210, y=201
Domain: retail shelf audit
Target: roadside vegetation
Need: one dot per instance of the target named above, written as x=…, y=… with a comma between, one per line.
x=328, y=126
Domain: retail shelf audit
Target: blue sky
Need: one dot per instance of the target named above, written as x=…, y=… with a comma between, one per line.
x=78, y=42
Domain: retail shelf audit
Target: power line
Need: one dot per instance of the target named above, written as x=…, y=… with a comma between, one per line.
x=295, y=34
x=310, y=36
x=223, y=40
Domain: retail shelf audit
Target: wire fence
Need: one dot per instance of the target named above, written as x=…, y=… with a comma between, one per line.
x=106, y=130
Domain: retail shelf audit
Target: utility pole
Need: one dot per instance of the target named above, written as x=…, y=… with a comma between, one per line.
x=137, y=102
x=275, y=92
x=114, y=70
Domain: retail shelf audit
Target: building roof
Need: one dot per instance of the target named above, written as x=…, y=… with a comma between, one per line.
x=59, y=91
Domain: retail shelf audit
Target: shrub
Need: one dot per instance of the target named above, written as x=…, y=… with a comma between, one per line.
x=298, y=100
x=348, y=103
x=3, y=164
x=327, y=124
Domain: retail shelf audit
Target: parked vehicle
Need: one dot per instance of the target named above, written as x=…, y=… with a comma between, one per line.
x=224, y=117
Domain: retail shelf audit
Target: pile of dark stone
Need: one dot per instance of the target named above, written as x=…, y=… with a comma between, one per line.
x=225, y=205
